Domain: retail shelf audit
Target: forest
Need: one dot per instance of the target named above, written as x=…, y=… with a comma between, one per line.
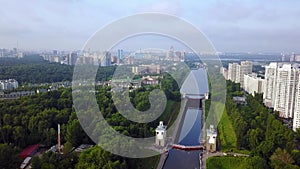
x=271, y=143
x=33, y=120
x=33, y=69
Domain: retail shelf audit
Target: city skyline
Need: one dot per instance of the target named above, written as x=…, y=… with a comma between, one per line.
x=232, y=26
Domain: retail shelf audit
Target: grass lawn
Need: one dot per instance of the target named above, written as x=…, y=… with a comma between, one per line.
x=227, y=135
x=226, y=162
x=226, y=131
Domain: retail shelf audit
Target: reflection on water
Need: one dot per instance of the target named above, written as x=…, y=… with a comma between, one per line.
x=179, y=159
x=191, y=128
x=189, y=135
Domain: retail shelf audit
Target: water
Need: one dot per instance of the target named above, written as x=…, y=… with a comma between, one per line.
x=191, y=128
x=189, y=135
x=179, y=159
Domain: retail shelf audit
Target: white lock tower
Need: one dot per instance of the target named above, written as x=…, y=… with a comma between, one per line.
x=161, y=134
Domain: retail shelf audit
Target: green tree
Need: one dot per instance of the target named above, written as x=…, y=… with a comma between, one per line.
x=67, y=148
x=281, y=159
x=256, y=162
x=9, y=157
x=75, y=133
x=98, y=158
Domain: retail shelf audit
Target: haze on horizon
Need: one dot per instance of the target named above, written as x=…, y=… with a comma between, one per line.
x=231, y=25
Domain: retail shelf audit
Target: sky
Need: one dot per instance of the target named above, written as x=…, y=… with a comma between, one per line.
x=231, y=25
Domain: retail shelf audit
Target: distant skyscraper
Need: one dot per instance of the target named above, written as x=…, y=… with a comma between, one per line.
x=120, y=54
x=170, y=53
x=105, y=59
x=182, y=55
x=297, y=58
x=15, y=50
x=282, y=57
x=72, y=58
x=292, y=57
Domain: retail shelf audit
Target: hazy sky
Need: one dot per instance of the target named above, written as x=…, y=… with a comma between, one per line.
x=231, y=25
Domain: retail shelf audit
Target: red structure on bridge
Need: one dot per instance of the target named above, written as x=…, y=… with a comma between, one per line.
x=183, y=147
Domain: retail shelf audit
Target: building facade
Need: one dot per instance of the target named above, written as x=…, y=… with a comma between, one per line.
x=234, y=72
x=285, y=90
x=8, y=84
x=245, y=68
x=237, y=71
x=161, y=134
x=281, y=89
x=270, y=84
x=224, y=72
x=296, y=118
x=211, y=139
x=105, y=59
x=253, y=84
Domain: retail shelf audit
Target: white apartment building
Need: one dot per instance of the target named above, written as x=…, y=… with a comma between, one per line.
x=296, y=118
x=234, y=72
x=270, y=84
x=8, y=84
x=105, y=59
x=237, y=71
x=224, y=72
x=245, y=68
x=281, y=82
x=285, y=90
x=253, y=84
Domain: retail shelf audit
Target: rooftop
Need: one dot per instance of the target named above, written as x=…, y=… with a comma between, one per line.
x=28, y=151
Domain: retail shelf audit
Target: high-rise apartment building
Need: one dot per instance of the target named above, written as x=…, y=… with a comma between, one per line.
x=120, y=54
x=285, y=90
x=105, y=59
x=237, y=71
x=234, y=72
x=270, y=84
x=224, y=72
x=281, y=82
x=296, y=117
x=253, y=84
x=8, y=84
x=245, y=68
x=170, y=53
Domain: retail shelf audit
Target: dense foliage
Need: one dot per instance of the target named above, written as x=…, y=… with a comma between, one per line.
x=33, y=120
x=261, y=131
x=235, y=163
x=8, y=157
x=33, y=69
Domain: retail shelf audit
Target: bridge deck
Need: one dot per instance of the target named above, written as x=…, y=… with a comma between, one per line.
x=183, y=147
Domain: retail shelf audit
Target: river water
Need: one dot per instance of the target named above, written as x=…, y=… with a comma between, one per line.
x=189, y=135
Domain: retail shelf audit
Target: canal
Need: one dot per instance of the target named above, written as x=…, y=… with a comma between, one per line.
x=195, y=89
x=189, y=136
